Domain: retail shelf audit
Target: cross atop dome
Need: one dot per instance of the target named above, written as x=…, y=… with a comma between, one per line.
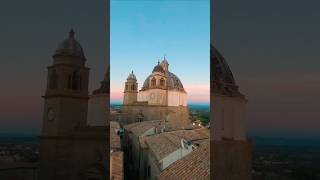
x=132, y=76
x=164, y=63
x=71, y=33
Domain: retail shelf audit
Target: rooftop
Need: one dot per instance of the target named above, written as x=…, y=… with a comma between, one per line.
x=140, y=128
x=192, y=166
x=161, y=145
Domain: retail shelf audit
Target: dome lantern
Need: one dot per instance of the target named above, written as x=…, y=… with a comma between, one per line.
x=70, y=47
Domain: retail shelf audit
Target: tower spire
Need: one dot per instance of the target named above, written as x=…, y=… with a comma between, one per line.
x=71, y=33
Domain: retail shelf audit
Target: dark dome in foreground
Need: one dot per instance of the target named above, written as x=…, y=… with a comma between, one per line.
x=221, y=76
x=70, y=47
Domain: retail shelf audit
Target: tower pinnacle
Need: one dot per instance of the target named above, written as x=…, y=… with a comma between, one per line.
x=71, y=34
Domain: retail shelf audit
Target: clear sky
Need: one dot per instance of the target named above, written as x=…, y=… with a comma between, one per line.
x=273, y=48
x=142, y=32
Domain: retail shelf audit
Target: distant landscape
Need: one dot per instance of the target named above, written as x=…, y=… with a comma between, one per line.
x=273, y=157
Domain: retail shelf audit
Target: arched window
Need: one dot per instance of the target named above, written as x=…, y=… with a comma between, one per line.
x=126, y=86
x=133, y=87
x=140, y=116
x=69, y=82
x=80, y=82
x=53, y=80
x=75, y=81
x=162, y=82
x=153, y=82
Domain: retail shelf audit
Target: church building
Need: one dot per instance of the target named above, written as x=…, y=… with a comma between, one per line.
x=162, y=97
x=69, y=147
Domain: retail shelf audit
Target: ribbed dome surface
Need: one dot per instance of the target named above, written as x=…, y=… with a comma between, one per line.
x=172, y=81
x=70, y=47
x=158, y=68
x=221, y=76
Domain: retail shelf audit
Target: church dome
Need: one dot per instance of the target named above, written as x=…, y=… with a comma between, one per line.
x=70, y=47
x=172, y=81
x=221, y=75
x=132, y=76
x=158, y=68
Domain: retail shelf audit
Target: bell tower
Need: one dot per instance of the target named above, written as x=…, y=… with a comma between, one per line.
x=65, y=109
x=130, y=90
x=66, y=96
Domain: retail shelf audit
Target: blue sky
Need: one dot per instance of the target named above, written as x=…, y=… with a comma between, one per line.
x=142, y=32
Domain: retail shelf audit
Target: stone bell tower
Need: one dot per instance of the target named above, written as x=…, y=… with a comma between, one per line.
x=65, y=109
x=231, y=148
x=130, y=90
x=66, y=96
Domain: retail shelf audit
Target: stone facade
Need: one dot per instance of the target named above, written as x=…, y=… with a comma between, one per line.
x=230, y=148
x=162, y=97
x=69, y=148
x=144, y=112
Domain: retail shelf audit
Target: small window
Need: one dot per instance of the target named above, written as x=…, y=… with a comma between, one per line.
x=75, y=81
x=69, y=82
x=162, y=82
x=153, y=82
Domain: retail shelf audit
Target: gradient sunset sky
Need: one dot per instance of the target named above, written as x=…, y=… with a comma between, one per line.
x=142, y=32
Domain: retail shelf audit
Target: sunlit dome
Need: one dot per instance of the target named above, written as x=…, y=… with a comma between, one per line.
x=172, y=81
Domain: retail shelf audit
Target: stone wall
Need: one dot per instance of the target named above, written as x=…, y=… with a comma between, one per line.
x=231, y=160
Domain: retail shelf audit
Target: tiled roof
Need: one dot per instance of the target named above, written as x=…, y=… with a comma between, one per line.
x=139, y=128
x=114, y=137
x=117, y=165
x=163, y=144
x=195, y=165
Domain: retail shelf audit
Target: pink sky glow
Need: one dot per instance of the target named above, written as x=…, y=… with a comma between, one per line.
x=199, y=93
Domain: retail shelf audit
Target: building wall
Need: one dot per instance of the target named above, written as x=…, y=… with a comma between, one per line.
x=68, y=112
x=231, y=160
x=73, y=157
x=129, y=97
x=176, y=114
x=154, y=168
x=153, y=96
x=229, y=118
x=98, y=110
x=177, y=98
x=163, y=97
x=174, y=156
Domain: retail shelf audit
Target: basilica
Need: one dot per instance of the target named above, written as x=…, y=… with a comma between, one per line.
x=161, y=97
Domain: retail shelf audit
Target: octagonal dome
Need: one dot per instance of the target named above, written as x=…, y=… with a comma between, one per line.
x=70, y=47
x=221, y=76
x=172, y=81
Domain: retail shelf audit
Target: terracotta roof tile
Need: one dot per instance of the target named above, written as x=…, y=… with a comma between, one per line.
x=195, y=165
x=163, y=144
